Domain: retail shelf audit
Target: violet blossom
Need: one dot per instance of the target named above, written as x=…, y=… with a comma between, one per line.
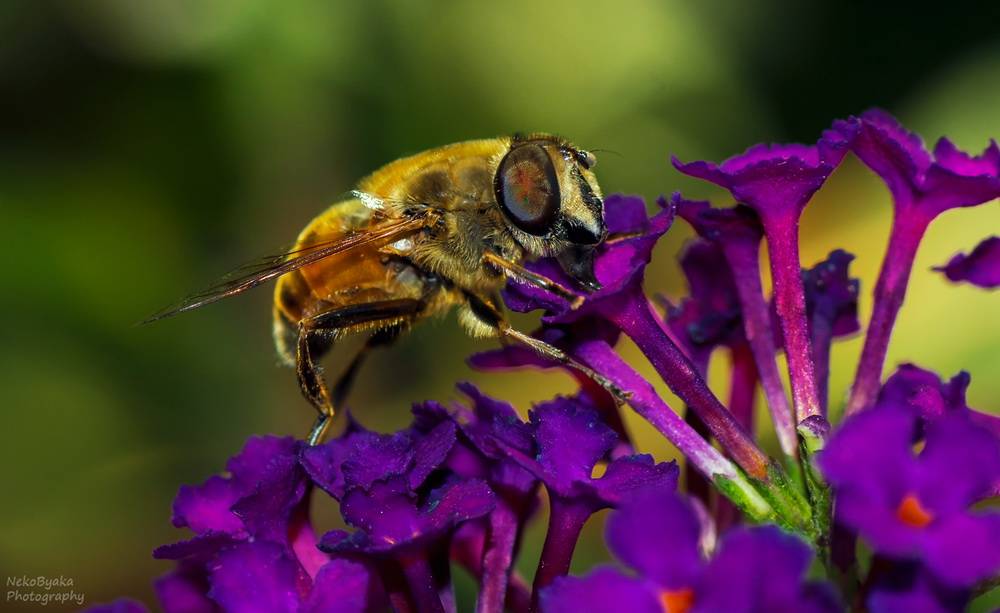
x=892, y=501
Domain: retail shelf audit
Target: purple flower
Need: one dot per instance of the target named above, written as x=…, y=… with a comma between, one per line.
x=931, y=398
x=832, y=308
x=915, y=506
x=255, y=547
x=658, y=536
x=710, y=316
x=980, y=268
x=922, y=187
x=561, y=446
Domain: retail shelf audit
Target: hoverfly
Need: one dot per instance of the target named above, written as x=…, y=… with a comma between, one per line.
x=441, y=229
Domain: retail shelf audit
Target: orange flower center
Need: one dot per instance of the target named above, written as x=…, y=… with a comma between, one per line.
x=911, y=512
x=677, y=601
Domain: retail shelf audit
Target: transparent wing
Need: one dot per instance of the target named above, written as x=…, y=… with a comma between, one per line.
x=271, y=266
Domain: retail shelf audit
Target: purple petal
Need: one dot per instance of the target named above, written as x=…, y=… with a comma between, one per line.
x=907, y=588
x=948, y=156
x=952, y=179
x=960, y=462
x=204, y=545
x=570, y=440
x=255, y=577
x=922, y=389
x=760, y=570
x=324, y=463
x=341, y=587
x=386, y=511
x=267, y=510
x=896, y=155
x=980, y=268
x=450, y=505
x=832, y=295
x=710, y=316
x=650, y=524
x=430, y=452
x=601, y=590
x=964, y=549
x=378, y=457
x=870, y=465
x=185, y=590
x=120, y=605
x=249, y=465
x=630, y=474
x=207, y=506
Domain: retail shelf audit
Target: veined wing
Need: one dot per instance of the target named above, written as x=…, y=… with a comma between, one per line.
x=269, y=267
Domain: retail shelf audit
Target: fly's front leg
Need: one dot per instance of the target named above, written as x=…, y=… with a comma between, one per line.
x=487, y=312
x=385, y=317
x=516, y=271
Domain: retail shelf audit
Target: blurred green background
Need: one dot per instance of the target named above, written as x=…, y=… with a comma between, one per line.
x=150, y=146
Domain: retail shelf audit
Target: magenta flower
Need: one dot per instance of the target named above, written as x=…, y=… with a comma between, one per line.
x=777, y=181
x=922, y=188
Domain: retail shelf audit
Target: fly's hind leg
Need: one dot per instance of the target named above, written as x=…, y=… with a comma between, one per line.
x=491, y=315
x=315, y=336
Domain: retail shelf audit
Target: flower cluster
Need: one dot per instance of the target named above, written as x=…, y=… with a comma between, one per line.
x=882, y=512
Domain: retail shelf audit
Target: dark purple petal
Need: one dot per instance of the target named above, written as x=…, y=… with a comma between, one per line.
x=959, y=462
x=603, y=589
x=324, y=463
x=570, y=441
x=386, y=511
x=651, y=524
x=777, y=179
x=430, y=451
x=963, y=549
x=255, y=576
x=625, y=214
x=390, y=518
x=980, y=268
x=832, y=295
x=378, y=457
x=451, y=505
x=629, y=474
x=710, y=316
x=120, y=605
x=248, y=467
x=923, y=390
x=909, y=589
x=951, y=179
x=185, y=589
x=761, y=570
x=895, y=154
x=342, y=586
x=207, y=506
x=204, y=545
x=266, y=512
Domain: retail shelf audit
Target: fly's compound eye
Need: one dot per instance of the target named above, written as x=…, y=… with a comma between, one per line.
x=527, y=189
